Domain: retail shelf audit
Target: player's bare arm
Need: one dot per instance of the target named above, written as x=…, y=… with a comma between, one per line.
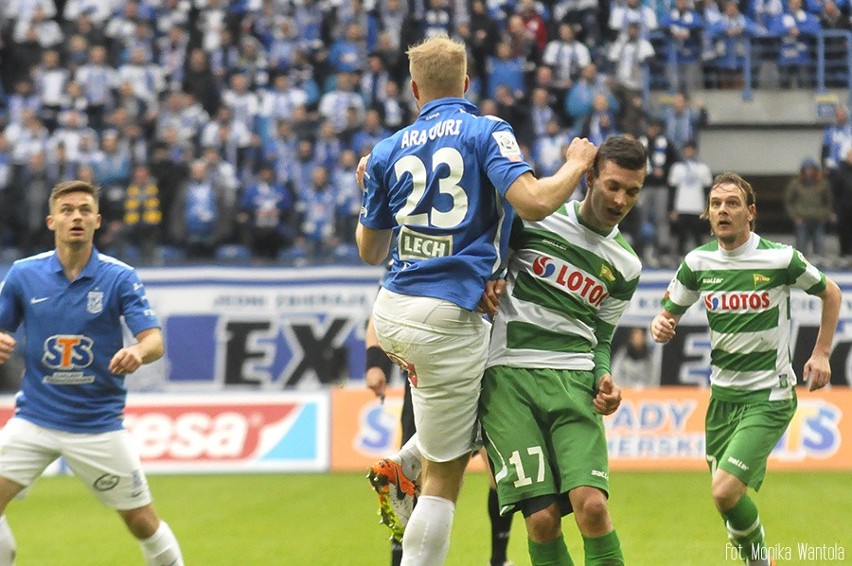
x=7, y=346
x=534, y=199
x=608, y=398
x=663, y=326
x=148, y=348
x=817, y=371
x=373, y=245
x=361, y=170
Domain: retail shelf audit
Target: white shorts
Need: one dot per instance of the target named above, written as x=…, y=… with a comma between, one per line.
x=107, y=463
x=443, y=347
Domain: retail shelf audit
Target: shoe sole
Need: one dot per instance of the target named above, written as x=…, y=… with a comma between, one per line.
x=381, y=485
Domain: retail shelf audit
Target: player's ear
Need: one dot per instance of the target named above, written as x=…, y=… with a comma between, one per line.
x=466, y=83
x=49, y=222
x=415, y=90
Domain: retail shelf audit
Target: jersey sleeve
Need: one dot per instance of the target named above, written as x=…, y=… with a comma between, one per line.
x=682, y=291
x=375, y=208
x=608, y=316
x=11, y=308
x=502, y=156
x=803, y=275
x=137, y=311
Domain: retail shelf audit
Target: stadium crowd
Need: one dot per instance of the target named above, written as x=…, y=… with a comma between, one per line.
x=232, y=129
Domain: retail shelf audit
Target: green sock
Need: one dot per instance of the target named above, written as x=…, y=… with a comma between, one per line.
x=553, y=553
x=603, y=551
x=744, y=527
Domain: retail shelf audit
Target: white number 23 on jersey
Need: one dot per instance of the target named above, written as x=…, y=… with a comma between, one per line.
x=446, y=185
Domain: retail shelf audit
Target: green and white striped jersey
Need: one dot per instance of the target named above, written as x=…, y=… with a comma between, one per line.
x=747, y=296
x=566, y=288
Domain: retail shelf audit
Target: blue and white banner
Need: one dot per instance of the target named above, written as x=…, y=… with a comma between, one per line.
x=271, y=329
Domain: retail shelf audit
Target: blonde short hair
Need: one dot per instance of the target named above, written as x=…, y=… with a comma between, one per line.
x=439, y=66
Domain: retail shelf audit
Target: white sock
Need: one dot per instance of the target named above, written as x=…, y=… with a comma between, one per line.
x=427, y=534
x=409, y=458
x=161, y=548
x=8, y=548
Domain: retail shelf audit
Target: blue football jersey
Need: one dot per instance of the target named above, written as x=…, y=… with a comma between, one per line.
x=71, y=332
x=440, y=185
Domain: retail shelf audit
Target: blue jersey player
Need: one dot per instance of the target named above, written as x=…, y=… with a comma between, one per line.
x=444, y=188
x=71, y=302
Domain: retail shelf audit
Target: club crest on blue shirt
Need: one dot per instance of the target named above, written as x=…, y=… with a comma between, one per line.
x=95, y=302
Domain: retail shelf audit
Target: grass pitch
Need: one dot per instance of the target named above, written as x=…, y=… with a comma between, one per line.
x=330, y=519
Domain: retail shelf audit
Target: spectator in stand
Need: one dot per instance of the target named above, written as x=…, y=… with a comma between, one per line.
x=600, y=124
x=483, y=35
x=395, y=111
x=29, y=198
x=541, y=111
x=836, y=138
x=373, y=81
x=567, y=57
x=327, y=146
x=691, y=181
x=334, y=104
x=531, y=12
x=200, y=81
x=685, y=26
x=196, y=219
x=50, y=79
x=629, y=55
x=833, y=19
x=317, y=207
x=810, y=205
x=548, y=150
x=580, y=101
x=729, y=36
x=656, y=196
x=349, y=51
x=265, y=215
x=841, y=189
x=368, y=136
x=632, y=11
x=507, y=70
x=797, y=29
x=146, y=78
x=684, y=120
x=98, y=79
x=583, y=15
x=143, y=215
x=22, y=98
x=348, y=195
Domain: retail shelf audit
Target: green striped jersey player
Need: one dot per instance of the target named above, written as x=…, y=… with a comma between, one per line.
x=745, y=282
x=547, y=381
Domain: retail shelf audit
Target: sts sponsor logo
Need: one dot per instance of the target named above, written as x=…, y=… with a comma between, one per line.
x=737, y=301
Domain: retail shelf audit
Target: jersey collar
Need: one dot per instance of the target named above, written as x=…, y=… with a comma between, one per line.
x=435, y=105
x=88, y=271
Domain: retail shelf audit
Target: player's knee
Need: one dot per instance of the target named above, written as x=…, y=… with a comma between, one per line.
x=141, y=522
x=725, y=494
x=544, y=525
x=593, y=508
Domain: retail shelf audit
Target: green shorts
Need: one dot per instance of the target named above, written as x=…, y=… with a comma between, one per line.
x=740, y=436
x=542, y=434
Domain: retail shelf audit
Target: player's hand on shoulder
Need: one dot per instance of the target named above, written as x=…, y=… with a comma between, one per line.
x=608, y=398
x=662, y=328
x=582, y=152
x=127, y=360
x=491, y=296
x=7, y=346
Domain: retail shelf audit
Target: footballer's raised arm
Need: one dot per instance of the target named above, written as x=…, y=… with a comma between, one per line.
x=535, y=199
